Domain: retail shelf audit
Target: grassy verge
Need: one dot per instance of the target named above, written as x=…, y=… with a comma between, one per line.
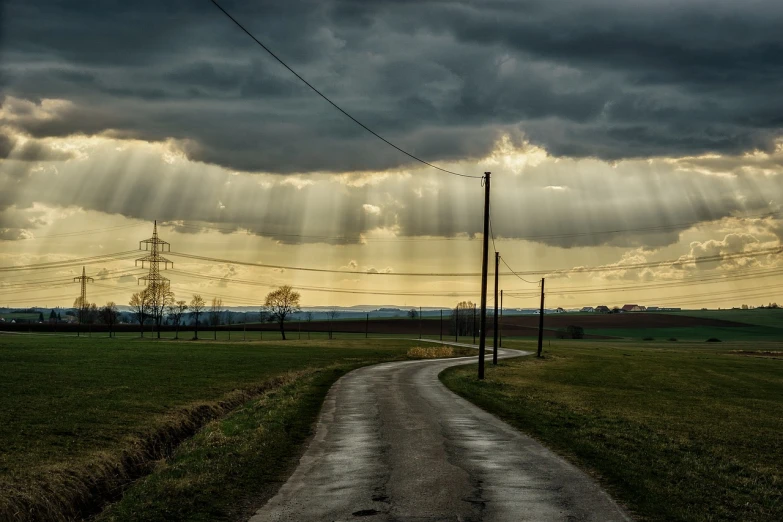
x=234, y=464
x=81, y=418
x=684, y=432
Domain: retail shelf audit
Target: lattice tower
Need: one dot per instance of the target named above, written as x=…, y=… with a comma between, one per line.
x=83, y=279
x=155, y=246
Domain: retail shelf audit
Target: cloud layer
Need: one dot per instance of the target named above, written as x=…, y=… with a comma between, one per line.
x=550, y=201
x=600, y=78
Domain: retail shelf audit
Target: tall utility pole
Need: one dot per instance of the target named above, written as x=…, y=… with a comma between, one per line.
x=456, y=323
x=495, y=315
x=441, y=324
x=420, y=322
x=541, y=321
x=484, y=262
x=83, y=279
x=157, y=285
x=367, y=327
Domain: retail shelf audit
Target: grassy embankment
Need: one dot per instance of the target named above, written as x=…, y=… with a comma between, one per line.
x=81, y=418
x=685, y=431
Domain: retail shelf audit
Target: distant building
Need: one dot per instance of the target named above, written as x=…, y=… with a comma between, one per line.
x=587, y=309
x=633, y=308
x=559, y=310
x=602, y=309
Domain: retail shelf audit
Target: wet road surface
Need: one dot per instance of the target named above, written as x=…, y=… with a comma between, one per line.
x=393, y=444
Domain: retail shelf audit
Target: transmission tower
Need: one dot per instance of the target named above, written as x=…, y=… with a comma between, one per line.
x=155, y=246
x=83, y=279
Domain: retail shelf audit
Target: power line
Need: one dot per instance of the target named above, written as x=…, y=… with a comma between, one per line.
x=66, y=263
x=672, y=284
x=578, y=270
x=324, y=289
x=333, y=104
x=64, y=280
x=491, y=233
x=519, y=276
x=79, y=233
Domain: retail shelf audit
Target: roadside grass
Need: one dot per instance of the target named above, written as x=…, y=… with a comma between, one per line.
x=76, y=412
x=695, y=333
x=675, y=431
x=233, y=465
x=437, y=352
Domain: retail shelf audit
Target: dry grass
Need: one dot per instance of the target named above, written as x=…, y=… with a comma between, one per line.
x=434, y=352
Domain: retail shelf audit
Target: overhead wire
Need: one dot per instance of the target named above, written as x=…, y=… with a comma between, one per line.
x=66, y=263
x=79, y=233
x=578, y=270
x=324, y=289
x=333, y=104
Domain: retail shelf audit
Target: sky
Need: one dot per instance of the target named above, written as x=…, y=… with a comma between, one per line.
x=635, y=146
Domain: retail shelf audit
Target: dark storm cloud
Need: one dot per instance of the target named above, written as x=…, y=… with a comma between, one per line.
x=607, y=78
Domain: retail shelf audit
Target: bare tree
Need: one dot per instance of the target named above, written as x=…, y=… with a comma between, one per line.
x=176, y=310
x=463, y=318
x=139, y=302
x=281, y=303
x=108, y=315
x=214, y=314
x=309, y=317
x=332, y=315
x=197, y=305
x=160, y=297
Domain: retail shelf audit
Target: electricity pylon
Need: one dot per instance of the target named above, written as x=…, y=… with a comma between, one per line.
x=82, y=300
x=155, y=246
x=158, y=287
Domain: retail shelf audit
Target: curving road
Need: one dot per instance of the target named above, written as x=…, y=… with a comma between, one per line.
x=393, y=444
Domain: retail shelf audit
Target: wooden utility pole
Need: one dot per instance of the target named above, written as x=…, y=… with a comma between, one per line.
x=541, y=320
x=420, y=322
x=495, y=315
x=484, y=267
x=441, y=324
x=367, y=327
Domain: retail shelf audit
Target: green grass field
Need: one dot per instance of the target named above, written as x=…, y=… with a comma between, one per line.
x=676, y=431
x=695, y=333
x=75, y=409
x=8, y=316
x=760, y=317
